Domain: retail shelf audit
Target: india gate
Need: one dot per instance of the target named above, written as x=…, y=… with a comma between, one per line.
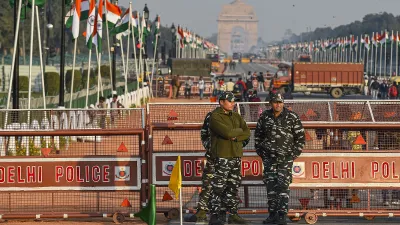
x=237, y=27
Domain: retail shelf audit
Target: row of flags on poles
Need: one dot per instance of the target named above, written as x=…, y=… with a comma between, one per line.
x=352, y=42
x=118, y=24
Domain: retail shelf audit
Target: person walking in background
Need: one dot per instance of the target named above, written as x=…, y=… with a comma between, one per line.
x=188, y=87
x=383, y=90
x=375, y=89
x=393, y=91
x=201, y=86
x=366, y=85
x=174, y=86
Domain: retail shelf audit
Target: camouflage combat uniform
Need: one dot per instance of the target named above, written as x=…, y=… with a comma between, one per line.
x=209, y=168
x=278, y=141
x=227, y=153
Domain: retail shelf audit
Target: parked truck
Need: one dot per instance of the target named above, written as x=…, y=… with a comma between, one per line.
x=337, y=79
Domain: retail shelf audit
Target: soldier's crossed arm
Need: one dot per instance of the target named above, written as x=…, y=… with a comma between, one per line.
x=217, y=126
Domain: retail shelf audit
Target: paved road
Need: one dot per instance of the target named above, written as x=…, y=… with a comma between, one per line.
x=257, y=219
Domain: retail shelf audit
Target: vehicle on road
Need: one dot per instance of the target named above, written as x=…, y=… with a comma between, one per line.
x=236, y=57
x=215, y=61
x=335, y=79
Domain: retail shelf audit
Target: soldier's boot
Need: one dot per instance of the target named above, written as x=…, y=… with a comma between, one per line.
x=200, y=216
x=222, y=216
x=272, y=218
x=236, y=219
x=214, y=220
x=281, y=219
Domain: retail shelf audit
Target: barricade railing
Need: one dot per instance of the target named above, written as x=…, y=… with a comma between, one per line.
x=62, y=119
x=78, y=179
x=346, y=169
x=330, y=110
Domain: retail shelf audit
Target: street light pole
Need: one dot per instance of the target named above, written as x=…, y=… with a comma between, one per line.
x=62, y=59
x=173, y=30
x=114, y=69
x=146, y=14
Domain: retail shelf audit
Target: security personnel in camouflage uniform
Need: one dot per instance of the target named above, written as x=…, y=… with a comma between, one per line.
x=279, y=139
x=208, y=174
x=228, y=131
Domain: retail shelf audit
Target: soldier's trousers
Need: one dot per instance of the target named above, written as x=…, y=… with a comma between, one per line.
x=278, y=177
x=225, y=185
x=206, y=188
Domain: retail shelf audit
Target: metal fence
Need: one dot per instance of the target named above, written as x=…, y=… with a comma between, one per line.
x=348, y=167
x=101, y=165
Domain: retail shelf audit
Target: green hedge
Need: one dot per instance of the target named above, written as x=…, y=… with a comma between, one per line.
x=77, y=80
x=52, y=83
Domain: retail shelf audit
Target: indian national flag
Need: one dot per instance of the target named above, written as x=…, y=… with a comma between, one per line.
x=383, y=38
x=90, y=24
x=76, y=19
x=97, y=33
x=84, y=12
x=112, y=13
x=122, y=25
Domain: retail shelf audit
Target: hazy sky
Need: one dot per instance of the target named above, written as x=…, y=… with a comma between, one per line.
x=275, y=16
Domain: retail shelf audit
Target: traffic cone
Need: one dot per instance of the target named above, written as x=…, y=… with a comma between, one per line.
x=122, y=148
x=304, y=118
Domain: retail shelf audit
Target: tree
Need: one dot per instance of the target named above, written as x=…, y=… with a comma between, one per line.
x=52, y=83
x=92, y=78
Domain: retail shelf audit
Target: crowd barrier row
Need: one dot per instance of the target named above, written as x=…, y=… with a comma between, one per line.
x=105, y=165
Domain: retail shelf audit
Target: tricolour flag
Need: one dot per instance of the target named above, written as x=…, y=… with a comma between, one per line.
x=98, y=29
x=113, y=14
x=175, y=181
x=90, y=24
x=76, y=19
x=84, y=13
x=122, y=25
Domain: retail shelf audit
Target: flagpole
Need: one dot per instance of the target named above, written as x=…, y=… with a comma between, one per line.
x=391, y=54
x=73, y=74
x=134, y=51
x=372, y=53
x=152, y=70
x=13, y=61
x=180, y=206
x=397, y=52
x=366, y=55
x=380, y=61
x=122, y=54
x=127, y=56
x=385, y=69
x=108, y=44
x=88, y=77
x=376, y=55
x=41, y=58
x=30, y=68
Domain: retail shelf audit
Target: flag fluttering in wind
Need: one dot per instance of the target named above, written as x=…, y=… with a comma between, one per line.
x=175, y=181
x=90, y=24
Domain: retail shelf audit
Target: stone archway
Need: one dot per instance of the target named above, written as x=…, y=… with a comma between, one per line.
x=239, y=39
x=237, y=27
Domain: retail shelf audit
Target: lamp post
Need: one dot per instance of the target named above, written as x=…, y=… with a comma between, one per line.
x=173, y=31
x=15, y=84
x=146, y=14
x=62, y=59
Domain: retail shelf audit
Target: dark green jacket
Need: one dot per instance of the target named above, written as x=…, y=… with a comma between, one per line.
x=224, y=127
